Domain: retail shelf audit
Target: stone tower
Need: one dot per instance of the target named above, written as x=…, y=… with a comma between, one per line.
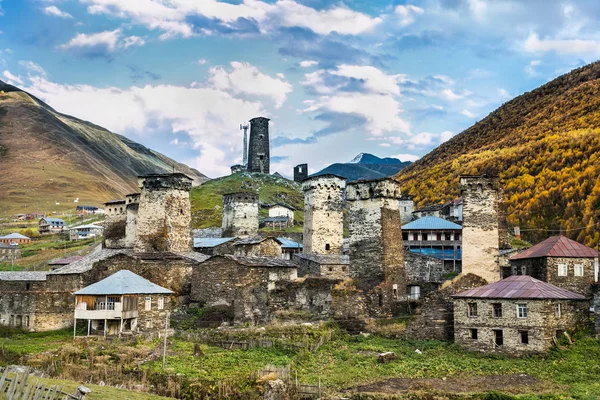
x=258, y=148
x=407, y=206
x=240, y=214
x=324, y=214
x=132, y=202
x=300, y=172
x=115, y=224
x=376, y=251
x=164, y=214
x=480, y=234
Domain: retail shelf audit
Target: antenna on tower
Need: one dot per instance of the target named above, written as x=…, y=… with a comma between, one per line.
x=245, y=153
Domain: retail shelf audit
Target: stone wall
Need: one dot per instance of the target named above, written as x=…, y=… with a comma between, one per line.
x=407, y=206
x=541, y=324
x=164, y=215
x=258, y=147
x=153, y=320
x=323, y=214
x=240, y=214
x=267, y=248
x=480, y=233
x=313, y=267
x=422, y=268
x=115, y=222
x=37, y=310
x=311, y=295
x=376, y=251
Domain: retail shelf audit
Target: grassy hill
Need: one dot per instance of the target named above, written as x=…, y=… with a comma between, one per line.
x=47, y=157
x=207, y=200
x=545, y=147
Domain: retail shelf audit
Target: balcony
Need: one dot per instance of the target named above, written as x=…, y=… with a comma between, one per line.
x=103, y=310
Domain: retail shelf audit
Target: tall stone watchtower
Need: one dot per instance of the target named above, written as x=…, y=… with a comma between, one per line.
x=258, y=147
x=324, y=214
x=300, y=172
x=376, y=251
x=407, y=206
x=240, y=214
x=481, y=228
x=164, y=213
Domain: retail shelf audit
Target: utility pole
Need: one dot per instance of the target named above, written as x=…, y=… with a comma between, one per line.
x=164, y=358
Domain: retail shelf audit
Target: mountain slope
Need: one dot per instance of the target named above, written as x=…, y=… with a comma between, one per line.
x=365, y=166
x=545, y=147
x=47, y=157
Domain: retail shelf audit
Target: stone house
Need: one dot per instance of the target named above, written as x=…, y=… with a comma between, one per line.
x=433, y=210
x=240, y=214
x=9, y=253
x=282, y=210
x=277, y=222
x=335, y=266
x=241, y=283
x=560, y=261
x=85, y=232
x=257, y=247
x=289, y=247
x=51, y=225
x=214, y=246
x=517, y=315
x=123, y=303
x=424, y=274
x=15, y=238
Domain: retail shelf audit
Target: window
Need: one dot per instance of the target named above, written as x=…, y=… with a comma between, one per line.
x=557, y=310
x=498, y=338
x=522, y=310
x=523, y=270
x=524, y=337
x=562, y=269
x=447, y=236
x=161, y=303
x=380, y=300
x=472, y=309
x=404, y=236
x=27, y=320
x=439, y=236
x=405, y=209
x=344, y=269
x=148, y=304
x=578, y=269
x=330, y=269
x=327, y=247
x=414, y=292
x=395, y=291
x=497, y=310
x=28, y=286
x=473, y=334
x=415, y=236
x=425, y=237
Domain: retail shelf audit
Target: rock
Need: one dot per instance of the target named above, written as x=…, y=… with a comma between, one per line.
x=275, y=390
x=386, y=357
x=101, y=383
x=84, y=389
x=418, y=351
x=365, y=334
x=198, y=351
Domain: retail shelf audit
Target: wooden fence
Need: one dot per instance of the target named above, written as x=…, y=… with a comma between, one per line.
x=25, y=387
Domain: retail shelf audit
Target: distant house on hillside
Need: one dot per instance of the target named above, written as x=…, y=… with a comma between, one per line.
x=15, y=238
x=85, y=232
x=51, y=225
x=84, y=210
x=282, y=210
x=9, y=253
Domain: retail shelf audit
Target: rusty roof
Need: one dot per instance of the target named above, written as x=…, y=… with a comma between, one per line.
x=557, y=246
x=519, y=287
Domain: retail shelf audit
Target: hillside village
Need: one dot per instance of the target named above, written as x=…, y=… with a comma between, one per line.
x=448, y=271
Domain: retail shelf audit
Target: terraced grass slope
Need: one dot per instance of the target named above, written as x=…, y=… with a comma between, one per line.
x=545, y=147
x=207, y=200
x=47, y=157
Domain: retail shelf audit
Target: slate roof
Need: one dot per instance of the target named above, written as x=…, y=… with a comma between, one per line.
x=251, y=240
x=325, y=259
x=123, y=282
x=519, y=287
x=261, y=261
x=431, y=223
x=432, y=207
x=23, y=275
x=211, y=242
x=557, y=246
x=115, y=202
x=288, y=243
x=14, y=236
x=87, y=262
x=65, y=261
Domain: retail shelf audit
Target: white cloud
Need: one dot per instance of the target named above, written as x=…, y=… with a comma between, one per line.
x=13, y=79
x=133, y=41
x=503, y=94
x=468, y=114
x=244, y=78
x=308, y=63
x=407, y=13
x=56, y=12
x=534, y=44
x=406, y=157
x=376, y=81
x=102, y=41
x=33, y=67
x=202, y=61
x=173, y=17
x=445, y=136
x=451, y=95
x=530, y=68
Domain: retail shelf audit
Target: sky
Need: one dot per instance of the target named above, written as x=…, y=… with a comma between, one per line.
x=336, y=78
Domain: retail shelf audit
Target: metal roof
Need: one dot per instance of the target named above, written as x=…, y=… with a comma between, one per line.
x=91, y=226
x=57, y=220
x=23, y=275
x=557, y=246
x=325, y=259
x=520, y=287
x=123, y=282
x=431, y=223
x=211, y=242
x=288, y=243
x=14, y=236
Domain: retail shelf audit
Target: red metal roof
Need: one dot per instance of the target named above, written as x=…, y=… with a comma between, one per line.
x=520, y=287
x=557, y=246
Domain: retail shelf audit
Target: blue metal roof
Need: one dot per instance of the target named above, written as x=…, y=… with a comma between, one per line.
x=433, y=223
x=57, y=220
x=447, y=254
x=210, y=242
x=123, y=282
x=289, y=244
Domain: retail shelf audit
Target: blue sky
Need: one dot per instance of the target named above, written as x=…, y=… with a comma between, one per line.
x=392, y=78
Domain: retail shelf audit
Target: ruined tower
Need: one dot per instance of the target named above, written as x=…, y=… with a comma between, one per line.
x=132, y=203
x=407, y=206
x=163, y=220
x=115, y=216
x=300, y=172
x=240, y=214
x=480, y=234
x=258, y=149
x=376, y=252
x=323, y=214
